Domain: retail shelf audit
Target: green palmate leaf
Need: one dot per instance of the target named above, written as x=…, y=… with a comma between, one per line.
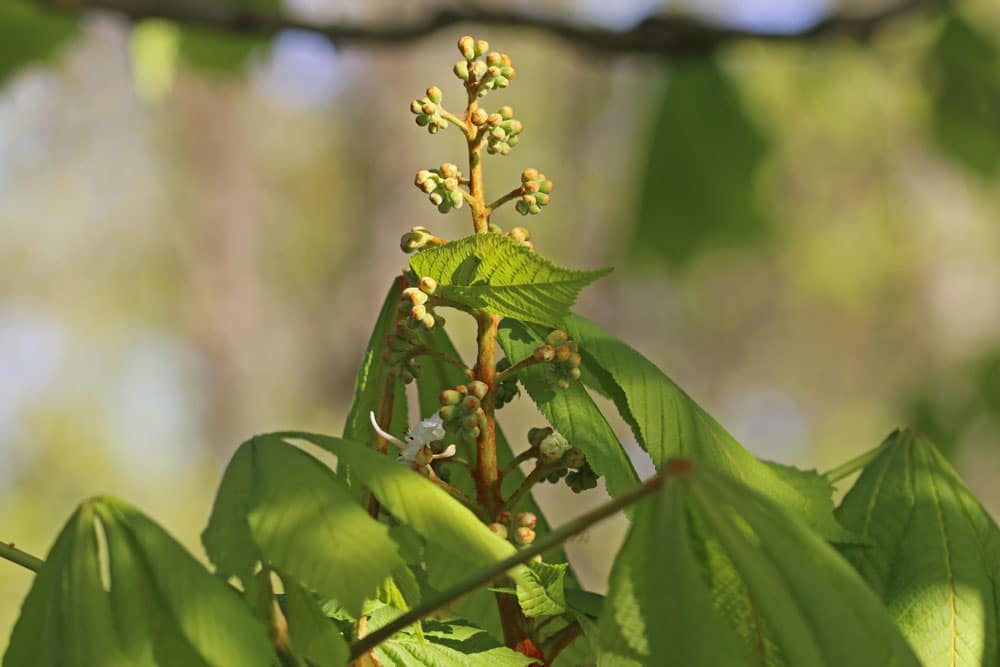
x=497, y=274
x=116, y=590
x=313, y=635
x=547, y=597
x=369, y=385
x=934, y=557
x=699, y=182
x=29, y=33
x=668, y=423
x=571, y=411
x=279, y=505
x=964, y=82
x=429, y=510
x=661, y=602
x=447, y=643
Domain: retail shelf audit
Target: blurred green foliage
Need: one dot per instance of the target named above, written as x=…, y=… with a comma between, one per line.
x=703, y=153
x=29, y=34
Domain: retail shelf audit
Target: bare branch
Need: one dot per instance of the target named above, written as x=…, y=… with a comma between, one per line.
x=664, y=36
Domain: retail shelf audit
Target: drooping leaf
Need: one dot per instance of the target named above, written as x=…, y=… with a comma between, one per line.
x=934, y=557
x=369, y=385
x=668, y=423
x=29, y=33
x=279, y=505
x=116, y=590
x=497, y=274
x=699, y=181
x=446, y=643
x=963, y=73
x=548, y=597
x=313, y=635
x=661, y=603
x=572, y=412
x=429, y=510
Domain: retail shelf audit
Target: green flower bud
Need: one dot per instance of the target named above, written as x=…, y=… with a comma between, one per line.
x=499, y=529
x=449, y=170
x=470, y=434
x=506, y=112
x=529, y=174
x=449, y=397
x=478, y=389
x=415, y=239
x=545, y=187
x=521, y=207
x=494, y=119
x=513, y=141
x=493, y=59
x=444, y=207
x=428, y=108
x=575, y=373
x=542, y=199
x=482, y=46
x=563, y=353
x=450, y=184
x=479, y=117
x=461, y=70
x=434, y=94
x=428, y=321
x=414, y=296
x=502, y=82
x=470, y=421
x=528, y=199
x=427, y=285
x=514, y=127
x=562, y=384
x=415, y=106
x=494, y=228
x=418, y=312
x=455, y=197
x=479, y=68
x=470, y=403
x=552, y=448
x=448, y=413
x=437, y=199
x=467, y=47
x=422, y=120
x=526, y=520
x=498, y=133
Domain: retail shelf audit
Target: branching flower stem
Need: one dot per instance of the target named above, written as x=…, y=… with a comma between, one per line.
x=510, y=196
x=535, y=476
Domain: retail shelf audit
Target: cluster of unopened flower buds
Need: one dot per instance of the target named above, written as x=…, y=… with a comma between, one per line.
x=413, y=305
x=501, y=129
x=535, y=192
x=462, y=411
x=442, y=186
x=417, y=239
x=495, y=70
x=524, y=525
x=522, y=236
x=568, y=462
x=399, y=351
x=428, y=111
x=506, y=390
x=563, y=356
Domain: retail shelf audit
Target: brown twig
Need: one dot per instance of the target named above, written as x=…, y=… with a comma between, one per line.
x=664, y=36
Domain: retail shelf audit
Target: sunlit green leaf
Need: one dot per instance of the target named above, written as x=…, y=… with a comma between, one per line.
x=548, y=598
x=934, y=556
x=116, y=590
x=279, y=505
x=661, y=601
x=668, y=423
x=447, y=643
x=497, y=274
x=702, y=157
x=572, y=412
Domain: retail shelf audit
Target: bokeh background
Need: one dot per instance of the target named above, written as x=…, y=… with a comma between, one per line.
x=196, y=232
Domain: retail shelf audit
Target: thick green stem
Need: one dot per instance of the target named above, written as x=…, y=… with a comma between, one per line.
x=488, y=575
x=22, y=558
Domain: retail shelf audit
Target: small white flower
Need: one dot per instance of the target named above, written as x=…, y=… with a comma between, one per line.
x=416, y=450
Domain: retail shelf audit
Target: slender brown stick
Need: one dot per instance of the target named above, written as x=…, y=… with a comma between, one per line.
x=666, y=36
x=513, y=194
x=533, y=478
x=566, y=636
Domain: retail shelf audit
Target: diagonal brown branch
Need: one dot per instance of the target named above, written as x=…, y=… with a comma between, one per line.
x=664, y=36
